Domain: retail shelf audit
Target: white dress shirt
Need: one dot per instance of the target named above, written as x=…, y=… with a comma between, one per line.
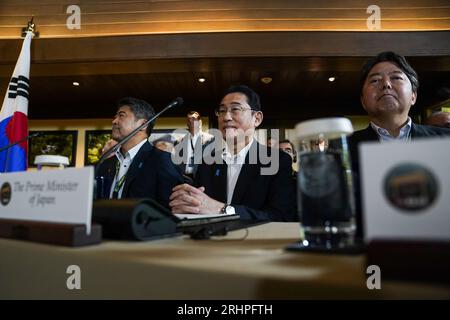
x=192, y=140
x=234, y=166
x=125, y=163
x=384, y=135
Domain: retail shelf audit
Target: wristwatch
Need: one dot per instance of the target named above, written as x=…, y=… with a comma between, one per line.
x=227, y=209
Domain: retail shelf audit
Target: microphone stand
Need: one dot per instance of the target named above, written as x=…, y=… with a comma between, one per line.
x=177, y=101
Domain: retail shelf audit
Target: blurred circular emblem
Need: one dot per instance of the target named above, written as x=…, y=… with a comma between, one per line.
x=5, y=193
x=410, y=187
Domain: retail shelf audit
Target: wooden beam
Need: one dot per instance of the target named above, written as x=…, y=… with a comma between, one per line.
x=237, y=44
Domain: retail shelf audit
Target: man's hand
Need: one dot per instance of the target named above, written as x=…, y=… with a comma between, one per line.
x=188, y=199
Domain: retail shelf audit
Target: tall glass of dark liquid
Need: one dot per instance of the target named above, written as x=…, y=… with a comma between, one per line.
x=324, y=184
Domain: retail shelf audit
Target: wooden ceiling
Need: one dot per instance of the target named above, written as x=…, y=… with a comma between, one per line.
x=132, y=17
x=299, y=90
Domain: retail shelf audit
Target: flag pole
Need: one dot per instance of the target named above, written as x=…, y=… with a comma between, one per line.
x=14, y=110
x=31, y=27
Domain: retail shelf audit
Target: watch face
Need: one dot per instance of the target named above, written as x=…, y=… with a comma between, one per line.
x=229, y=210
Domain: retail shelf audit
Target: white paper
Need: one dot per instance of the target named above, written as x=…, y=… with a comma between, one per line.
x=191, y=216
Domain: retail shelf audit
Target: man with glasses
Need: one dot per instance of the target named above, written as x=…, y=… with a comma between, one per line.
x=235, y=182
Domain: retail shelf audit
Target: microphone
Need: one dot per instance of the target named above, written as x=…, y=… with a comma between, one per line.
x=35, y=134
x=176, y=102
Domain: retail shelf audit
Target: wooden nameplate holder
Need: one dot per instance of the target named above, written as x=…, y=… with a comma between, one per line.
x=64, y=234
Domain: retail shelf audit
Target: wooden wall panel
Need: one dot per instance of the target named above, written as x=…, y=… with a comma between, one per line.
x=128, y=17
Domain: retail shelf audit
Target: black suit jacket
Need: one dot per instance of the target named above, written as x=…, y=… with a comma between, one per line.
x=417, y=131
x=256, y=196
x=368, y=134
x=152, y=174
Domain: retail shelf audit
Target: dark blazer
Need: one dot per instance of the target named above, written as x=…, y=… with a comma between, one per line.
x=417, y=131
x=152, y=174
x=368, y=134
x=256, y=196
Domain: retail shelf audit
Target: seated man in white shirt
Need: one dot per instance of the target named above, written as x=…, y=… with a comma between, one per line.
x=138, y=170
x=236, y=182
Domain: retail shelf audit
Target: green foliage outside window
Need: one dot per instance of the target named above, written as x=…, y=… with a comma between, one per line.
x=95, y=141
x=62, y=143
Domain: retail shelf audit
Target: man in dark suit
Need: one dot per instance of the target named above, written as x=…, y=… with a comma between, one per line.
x=389, y=89
x=246, y=177
x=138, y=170
x=287, y=146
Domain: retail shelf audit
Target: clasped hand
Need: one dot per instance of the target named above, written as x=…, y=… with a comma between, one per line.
x=188, y=199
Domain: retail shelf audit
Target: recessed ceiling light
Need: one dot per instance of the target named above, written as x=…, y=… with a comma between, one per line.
x=331, y=79
x=266, y=80
x=201, y=80
x=76, y=84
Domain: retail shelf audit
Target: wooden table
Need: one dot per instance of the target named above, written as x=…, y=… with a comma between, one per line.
x=245, y=264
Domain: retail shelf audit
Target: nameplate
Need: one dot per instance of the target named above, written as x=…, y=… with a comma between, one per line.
x=406, y=190
x=63, y=196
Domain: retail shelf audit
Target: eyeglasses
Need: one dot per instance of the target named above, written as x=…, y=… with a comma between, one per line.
x=235, y=111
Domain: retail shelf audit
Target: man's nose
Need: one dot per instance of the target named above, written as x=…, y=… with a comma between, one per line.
x=227, y=116
x=387, y=83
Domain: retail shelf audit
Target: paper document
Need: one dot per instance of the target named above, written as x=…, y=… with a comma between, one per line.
x=190, y=216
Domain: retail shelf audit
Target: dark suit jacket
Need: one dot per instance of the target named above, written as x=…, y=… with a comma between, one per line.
x=256, y=196
x=417, y=131
x=152, y=174
x=368, y=134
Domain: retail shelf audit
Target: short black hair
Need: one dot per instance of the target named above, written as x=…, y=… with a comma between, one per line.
x=395, y=58
x=140, y=108
x=252, y=97
x=194, y=113
x=287, y=141
x=292, y=146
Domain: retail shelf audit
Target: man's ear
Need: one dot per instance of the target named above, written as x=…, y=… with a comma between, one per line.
x=361, y=98
x=258, y=118
x=141, y=123
x=414, y=98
